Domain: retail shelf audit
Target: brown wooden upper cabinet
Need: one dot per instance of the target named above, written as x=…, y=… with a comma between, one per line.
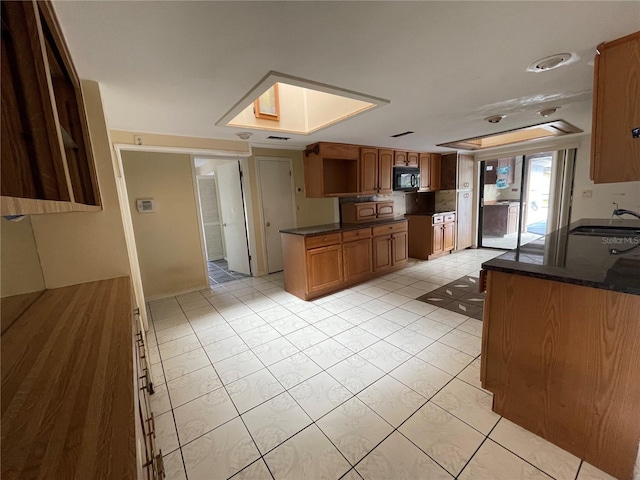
x=429, y=171
x=405, y=159
x=457, y=172
x=331, y=170
x=47, y=161
x=376, y=171
x=615, y=141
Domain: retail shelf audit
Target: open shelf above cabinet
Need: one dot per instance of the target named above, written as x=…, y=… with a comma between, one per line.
x=47, y=161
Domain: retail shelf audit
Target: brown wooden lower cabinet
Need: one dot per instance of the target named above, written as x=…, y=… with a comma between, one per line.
x=324, y=267
x=563, y=362
x=315, y=265
x=431, y=236
x=357, y=259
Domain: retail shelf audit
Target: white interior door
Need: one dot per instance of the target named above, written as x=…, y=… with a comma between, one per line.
x=234, y=227
x=278, y=206
x=210, y=217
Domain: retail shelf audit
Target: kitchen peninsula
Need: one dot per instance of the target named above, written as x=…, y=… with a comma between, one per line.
x=561, y=340
x=325, y=258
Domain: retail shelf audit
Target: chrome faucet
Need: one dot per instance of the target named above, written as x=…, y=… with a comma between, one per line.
x=617, y=212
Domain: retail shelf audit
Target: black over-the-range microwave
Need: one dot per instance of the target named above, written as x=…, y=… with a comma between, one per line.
x=406, y=178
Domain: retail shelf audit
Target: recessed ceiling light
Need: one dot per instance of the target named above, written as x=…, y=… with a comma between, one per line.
x=551, y=62
x=495, y=118
x=548, y=111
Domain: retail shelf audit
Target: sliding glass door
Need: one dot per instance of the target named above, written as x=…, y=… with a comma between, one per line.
x=522, y=197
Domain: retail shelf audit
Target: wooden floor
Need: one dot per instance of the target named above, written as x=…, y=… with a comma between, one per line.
x=67, y=385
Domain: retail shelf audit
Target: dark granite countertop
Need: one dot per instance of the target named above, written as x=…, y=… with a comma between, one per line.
x=607, y=262
x=338, y=227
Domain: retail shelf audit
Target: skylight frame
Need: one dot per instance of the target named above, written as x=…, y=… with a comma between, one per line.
x=273, y=78
x=555, y=128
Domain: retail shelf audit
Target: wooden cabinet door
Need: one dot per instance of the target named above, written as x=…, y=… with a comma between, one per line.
x=434, y=171
x=324, y=268
x=400, y=247
x=448, y=236
x=365, y=212
x=385, y=171
x=399, y=158
x=384, y=209
x=413, y=159
x=615, y=153
x=425, y=171
x=368, y=170
x=465, y=172
x=490, y=172
x=438, y=239
x=381, y=252
x=357, y=258
x=464, y=215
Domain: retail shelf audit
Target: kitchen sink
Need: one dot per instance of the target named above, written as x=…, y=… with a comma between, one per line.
x=606, y=231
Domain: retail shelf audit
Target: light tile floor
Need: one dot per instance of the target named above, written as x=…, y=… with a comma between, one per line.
x=367, y=383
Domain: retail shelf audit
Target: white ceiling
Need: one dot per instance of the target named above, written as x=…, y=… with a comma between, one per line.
x=176, y=67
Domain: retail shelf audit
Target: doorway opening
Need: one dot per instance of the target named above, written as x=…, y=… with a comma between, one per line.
x=223, y=219
x=524, y=197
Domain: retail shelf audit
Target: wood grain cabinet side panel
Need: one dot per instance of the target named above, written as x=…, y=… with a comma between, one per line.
x=562, y=361
x=615, y=154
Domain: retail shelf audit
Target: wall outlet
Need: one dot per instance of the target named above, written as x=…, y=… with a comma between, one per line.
x=587, y=193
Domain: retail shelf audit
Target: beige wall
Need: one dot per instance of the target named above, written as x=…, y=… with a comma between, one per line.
x=21, y=272
x=600, y=204
x=167, y=241
x=80, y=247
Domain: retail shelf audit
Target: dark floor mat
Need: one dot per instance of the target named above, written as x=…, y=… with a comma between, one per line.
x=460, y=296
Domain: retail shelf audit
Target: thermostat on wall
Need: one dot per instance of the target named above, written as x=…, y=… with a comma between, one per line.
x=146, y=205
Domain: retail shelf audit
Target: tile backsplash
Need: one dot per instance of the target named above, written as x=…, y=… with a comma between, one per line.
x=445, y=200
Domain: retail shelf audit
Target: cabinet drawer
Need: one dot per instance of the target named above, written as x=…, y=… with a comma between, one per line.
x=451, y=217
x=438, y=219
x=356, y=234
x=390, y=228
x=322, y=240
x=385, y=209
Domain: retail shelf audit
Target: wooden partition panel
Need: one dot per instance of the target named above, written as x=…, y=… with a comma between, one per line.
x=564, y=362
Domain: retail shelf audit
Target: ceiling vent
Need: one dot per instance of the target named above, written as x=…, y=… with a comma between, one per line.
x=551, y=62
x=273, y=137
x=402, y=134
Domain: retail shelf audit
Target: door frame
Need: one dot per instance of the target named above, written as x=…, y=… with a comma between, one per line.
x=123, y=198
x=258, y=159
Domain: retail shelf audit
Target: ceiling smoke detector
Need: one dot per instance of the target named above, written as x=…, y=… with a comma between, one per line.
x=244, y=135
x=548, y=111
x=495, y=118
x=549, y=63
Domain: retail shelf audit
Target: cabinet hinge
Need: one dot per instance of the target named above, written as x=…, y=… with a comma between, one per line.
x=136, y=311
x=289, y=172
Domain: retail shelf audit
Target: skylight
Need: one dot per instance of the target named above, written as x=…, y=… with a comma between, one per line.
x=556, y=128
x=281, y=103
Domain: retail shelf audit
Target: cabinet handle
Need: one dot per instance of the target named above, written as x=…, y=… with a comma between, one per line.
x=152, y=425
x=159, y=465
